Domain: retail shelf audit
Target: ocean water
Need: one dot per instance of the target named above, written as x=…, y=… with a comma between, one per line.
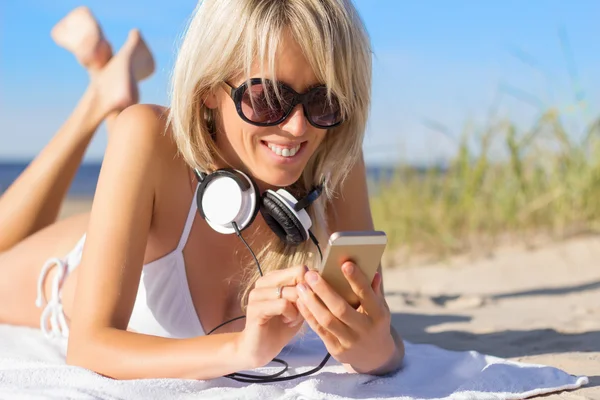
x=84, y=184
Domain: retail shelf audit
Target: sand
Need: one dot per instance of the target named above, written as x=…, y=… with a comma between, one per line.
x=538, y=306
x=75, y=205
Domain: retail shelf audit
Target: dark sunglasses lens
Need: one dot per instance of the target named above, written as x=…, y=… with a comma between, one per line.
x=261, y=105
x=323, y=111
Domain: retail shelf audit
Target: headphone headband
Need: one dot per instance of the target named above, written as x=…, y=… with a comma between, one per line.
x=309, y=198
x=199, y=175
x=228, y=172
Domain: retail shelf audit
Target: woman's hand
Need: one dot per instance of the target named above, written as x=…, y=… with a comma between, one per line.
x=272, y=318
x=359, y=337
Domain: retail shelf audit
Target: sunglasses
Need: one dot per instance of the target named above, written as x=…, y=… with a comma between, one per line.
x=257, y=103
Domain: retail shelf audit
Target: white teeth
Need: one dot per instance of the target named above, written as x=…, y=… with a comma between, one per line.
x=283, y=151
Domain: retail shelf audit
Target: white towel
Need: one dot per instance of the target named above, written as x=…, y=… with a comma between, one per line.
x=31, y=367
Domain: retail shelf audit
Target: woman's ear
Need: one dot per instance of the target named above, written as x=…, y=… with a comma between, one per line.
x=210, y=100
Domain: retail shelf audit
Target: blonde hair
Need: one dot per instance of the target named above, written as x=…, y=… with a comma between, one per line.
x=224, y=39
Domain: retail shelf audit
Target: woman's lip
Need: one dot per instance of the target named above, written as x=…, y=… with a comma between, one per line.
x=282, y=159
x=283, y=146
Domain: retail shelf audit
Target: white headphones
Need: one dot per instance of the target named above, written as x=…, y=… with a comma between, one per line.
x=227, y=196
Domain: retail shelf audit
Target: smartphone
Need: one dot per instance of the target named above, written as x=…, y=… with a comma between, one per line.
x=364, y=248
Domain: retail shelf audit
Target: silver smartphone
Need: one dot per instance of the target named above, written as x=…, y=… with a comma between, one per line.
x=364, y=248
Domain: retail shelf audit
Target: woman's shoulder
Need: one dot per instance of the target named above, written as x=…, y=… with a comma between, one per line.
x=142, y=138
x=147, y=119
x=144, y=128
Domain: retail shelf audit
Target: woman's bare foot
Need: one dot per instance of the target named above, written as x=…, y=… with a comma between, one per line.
x=142, y=62
x=116, y=84
x=80, y=33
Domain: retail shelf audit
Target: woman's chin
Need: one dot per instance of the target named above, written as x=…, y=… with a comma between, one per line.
x=277, y=179
x=281, y=182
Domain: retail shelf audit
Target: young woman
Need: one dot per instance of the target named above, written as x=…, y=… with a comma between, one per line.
x=277, y=90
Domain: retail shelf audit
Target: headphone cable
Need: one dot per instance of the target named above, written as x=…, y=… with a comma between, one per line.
x=239, y=234
x=248, y=378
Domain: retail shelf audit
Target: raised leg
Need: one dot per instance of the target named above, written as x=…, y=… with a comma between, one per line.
x=80, y=33
x=33, y=201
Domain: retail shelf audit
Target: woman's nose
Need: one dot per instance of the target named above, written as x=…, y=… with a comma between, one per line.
x=296, y=122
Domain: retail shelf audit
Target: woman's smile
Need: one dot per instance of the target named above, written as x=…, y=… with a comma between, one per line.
x=281, y=152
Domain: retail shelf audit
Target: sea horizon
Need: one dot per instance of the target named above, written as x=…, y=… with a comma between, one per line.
x=84, y=183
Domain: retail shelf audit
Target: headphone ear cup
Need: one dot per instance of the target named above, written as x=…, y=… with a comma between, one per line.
x=282, y=220
x=226, y=196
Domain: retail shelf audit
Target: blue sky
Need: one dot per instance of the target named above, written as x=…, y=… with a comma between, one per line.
x=442, y=61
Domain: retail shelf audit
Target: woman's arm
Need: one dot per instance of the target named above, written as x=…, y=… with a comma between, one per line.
x=109, y=274
x=351, y=211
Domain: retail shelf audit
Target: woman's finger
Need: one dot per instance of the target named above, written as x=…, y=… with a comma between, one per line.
x=284, y=277
x=362, y=288
x=265, y=310
x=272, y=293
x=330, y=341
x=323, y=316
x=335, y=303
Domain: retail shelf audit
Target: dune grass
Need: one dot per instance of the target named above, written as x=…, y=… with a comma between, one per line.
x=546, y=183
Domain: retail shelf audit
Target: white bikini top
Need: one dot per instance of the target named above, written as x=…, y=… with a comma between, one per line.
x=164, y=306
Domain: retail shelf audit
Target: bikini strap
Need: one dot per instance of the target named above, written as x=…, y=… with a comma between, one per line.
x=188, y=222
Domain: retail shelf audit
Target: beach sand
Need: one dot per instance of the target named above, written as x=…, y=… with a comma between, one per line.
x=75, y=205
x=537, y=306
